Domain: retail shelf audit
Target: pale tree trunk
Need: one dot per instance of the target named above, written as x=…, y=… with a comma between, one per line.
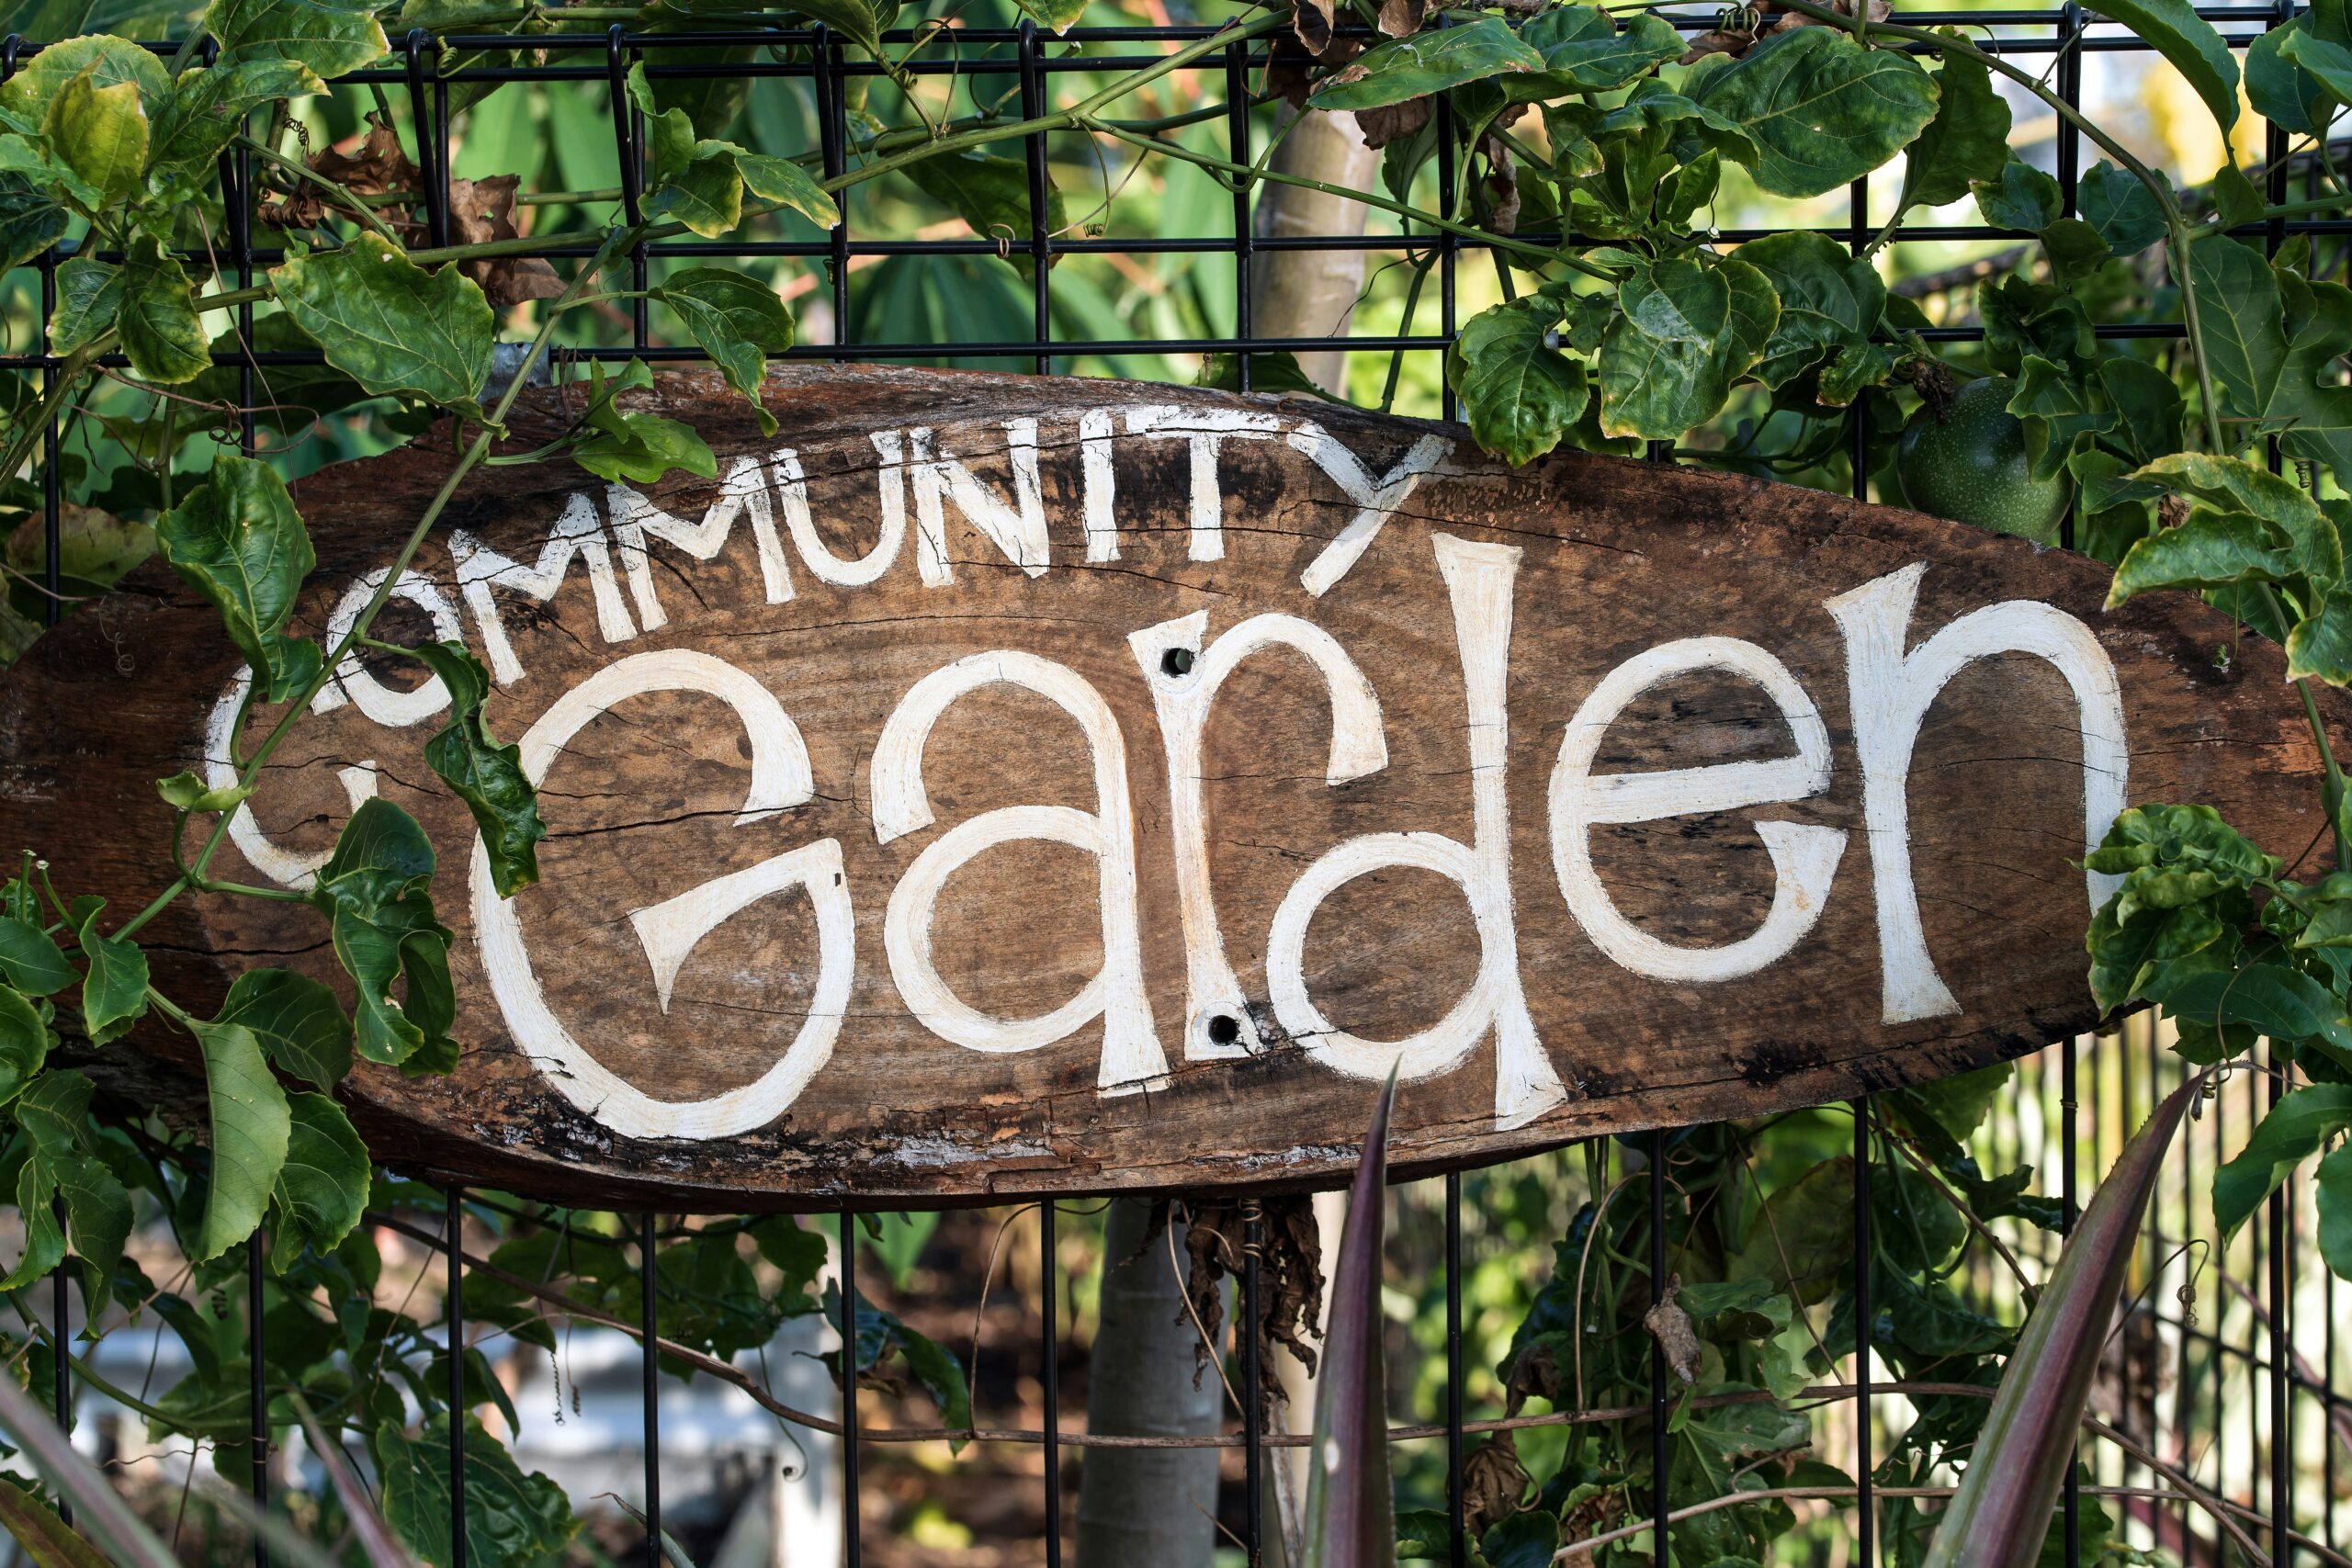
x=1146, y=1507
x=1313, y=293
x=1155, y=1509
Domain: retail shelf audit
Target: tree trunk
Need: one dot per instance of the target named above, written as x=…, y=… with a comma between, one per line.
x=1146, y=1507
x=1313, y=293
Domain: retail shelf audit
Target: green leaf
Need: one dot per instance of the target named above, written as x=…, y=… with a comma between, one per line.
x=2189, y=44
x=209, y=106
x=375, y=887
x=1059, y=15
x=1968, y=140
x=2335, y=1182
x=636, y=448
x=101, y=58
x=1523, y=1539
x=2212, y=549
x=1831, y=301
x=2058, y=412
x=1583, y=52
x=25, y=1040
x=2282, y=89
x=1822, y=110
x=31, y=221
x=391, y=325
x=249, y=1129
x=330, y=40
x=1960, y=1104
x=30, y=960
x=1519, y=394
x=510, y=1517
x=239, y=542
x=1687, y=331
x=990, y=194
x=147, y=299
x=1801, y=1236
x=98, y=1217
x=296, y=1022
x=114, y=981
x=487, y=776
x=879, y=1335
x=321, y=1189
x=1425, y=62
x=2272, y=340
x=2019, y=196
x=782, y=180
x=185, y=791
x=2321, y=645
x=99, y=132
x=2268, y=999
x=735, y=319
x=47, y=1541
x=2124, y=211
x=2291, y=1133
x=2233, y=484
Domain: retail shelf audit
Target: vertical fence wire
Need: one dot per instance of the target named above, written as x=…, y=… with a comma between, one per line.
x=453, y=1260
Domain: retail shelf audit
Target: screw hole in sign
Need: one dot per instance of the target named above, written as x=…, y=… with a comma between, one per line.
x=1224, y=1029
x=1178, y=661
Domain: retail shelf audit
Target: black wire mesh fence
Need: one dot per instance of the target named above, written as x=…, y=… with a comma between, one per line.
x=2222, y=1379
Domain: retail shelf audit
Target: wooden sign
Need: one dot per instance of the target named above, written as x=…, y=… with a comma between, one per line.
x=999, y=784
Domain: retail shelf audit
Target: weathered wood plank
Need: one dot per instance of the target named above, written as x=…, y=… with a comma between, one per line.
x=1306, y=675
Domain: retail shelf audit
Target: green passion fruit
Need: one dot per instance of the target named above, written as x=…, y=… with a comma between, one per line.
x=1969, y=463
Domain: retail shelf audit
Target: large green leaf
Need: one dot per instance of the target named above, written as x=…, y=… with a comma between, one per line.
x=634, y=447
x=329, y=39
x=249, y=1129
x=2334, y=1183
x=1583, y=52
x=161, y=329
x=736, y=321
x=30, y=959
x=784, y=182
x=2120, y=208
x=1687, y=331
x=2290, y=1134
x=2272, y=340
x=99, y=132
x=375, y=889
x=1822, y=109
x=1428, y=62
x=2233, y=484
x=114, y=979
x=25, y=1040
x=1831, y=301
x=2321, y=646
x=387, y=324
x=2019, y=196
x=510, y=1517
x=1967, y=140
x=146, y=298
x=991, y=194
x=321, y=1189
x=238, y=541
x=2306, y=70
x=100, y=57
x=62, y=1164
x=298, y=1022
x=1518, y=393
x=487, y=776
x=2212, y=549
x=2189, y=44
x=31, y=220
x=209, y=106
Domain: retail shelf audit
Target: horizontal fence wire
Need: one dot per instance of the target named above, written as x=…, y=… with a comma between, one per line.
x=2228, y=1391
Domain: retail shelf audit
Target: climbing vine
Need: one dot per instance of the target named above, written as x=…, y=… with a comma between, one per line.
x=2210, y=463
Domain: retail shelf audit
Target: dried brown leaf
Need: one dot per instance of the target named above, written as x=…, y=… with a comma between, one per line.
x=1290, y=1273
x=1401, y=19
x=1392, y=122
x=1493, y=1484
x=1311, y=22
x=481, y=212
x=1718, y=41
